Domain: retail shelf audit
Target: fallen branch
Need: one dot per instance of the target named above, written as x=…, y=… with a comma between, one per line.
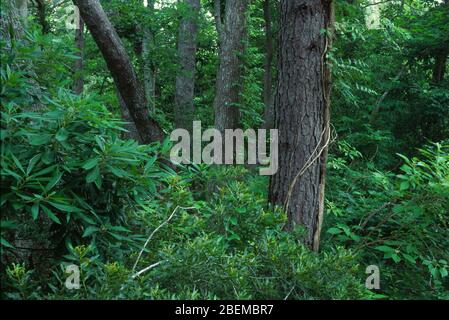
x=147, y=268
x=155, y=230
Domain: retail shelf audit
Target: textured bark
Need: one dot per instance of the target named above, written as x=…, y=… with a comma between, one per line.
x=41, y=7
x=228, y=84
x=268, y=77
x=11, y=26
x=22, y=9
x=78, y=84
x=302, y=114
x=121, y=68
x=149, y=73
x=440, y=66
x=132, y=132
x=185, y=79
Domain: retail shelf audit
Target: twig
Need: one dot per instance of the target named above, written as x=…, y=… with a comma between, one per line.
x=291, y=290
x=147, y=268
x=155, y=230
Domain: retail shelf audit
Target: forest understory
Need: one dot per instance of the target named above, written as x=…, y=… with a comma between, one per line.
x=93, y=207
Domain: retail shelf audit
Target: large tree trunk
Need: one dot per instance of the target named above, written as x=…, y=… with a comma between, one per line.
x=149, y=72
x=121, y=68
x=228, y=84
x=78, y=84
x=302, y=114
x=268, y=77
x=439, y=68
x=11, y=24
x=185, y=79
x=22, y=9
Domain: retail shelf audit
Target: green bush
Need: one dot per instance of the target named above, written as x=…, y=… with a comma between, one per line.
x=397, y=221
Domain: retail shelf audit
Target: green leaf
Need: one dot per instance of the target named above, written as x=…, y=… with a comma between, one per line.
x=89, y=231
x=404, y=185
x=34, y=160
x=409, y=258
x=54, y=180
x=64, y=207
x=39, y=139
x=17, y=162
x=89, y=164
x=62, y=135
x=334, y=230
x=385, y=249
x=93, y=175
x=35, y=211
x=5, y=243
x=50, y=214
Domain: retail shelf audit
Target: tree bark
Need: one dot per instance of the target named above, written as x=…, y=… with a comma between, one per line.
x=79, y=63
x=121, y=68
x=22, y=9
x=11, y=25
x=149, y=73
x=268, y=77
x=302, y=114
x=42, y=15
x=185, y=79
x=440, y=66
x=228, y=84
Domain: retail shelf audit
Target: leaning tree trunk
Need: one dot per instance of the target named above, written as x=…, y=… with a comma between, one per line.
x=302, y=114
x=121, y=68
x=228, y=84
x=185, y=79
x=78, y=84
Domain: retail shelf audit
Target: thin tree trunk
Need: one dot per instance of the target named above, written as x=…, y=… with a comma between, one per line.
x=149, y=73
x=440, y=66
x=42, y=15
x=79, y=63
x=121, y=68
x=228, y=83
x=268, y=77
x=185, y=79
x=302, y=114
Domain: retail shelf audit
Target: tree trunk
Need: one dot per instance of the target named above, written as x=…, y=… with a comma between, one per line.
x=268, y=77
x=185, y=79
x=22, y=9
x=302, y=114
x=228, y=83
x=42, y=16
x=121, y=68
x=149, y=73
x=11, y=26
x=439, y=68
x=79, y=68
